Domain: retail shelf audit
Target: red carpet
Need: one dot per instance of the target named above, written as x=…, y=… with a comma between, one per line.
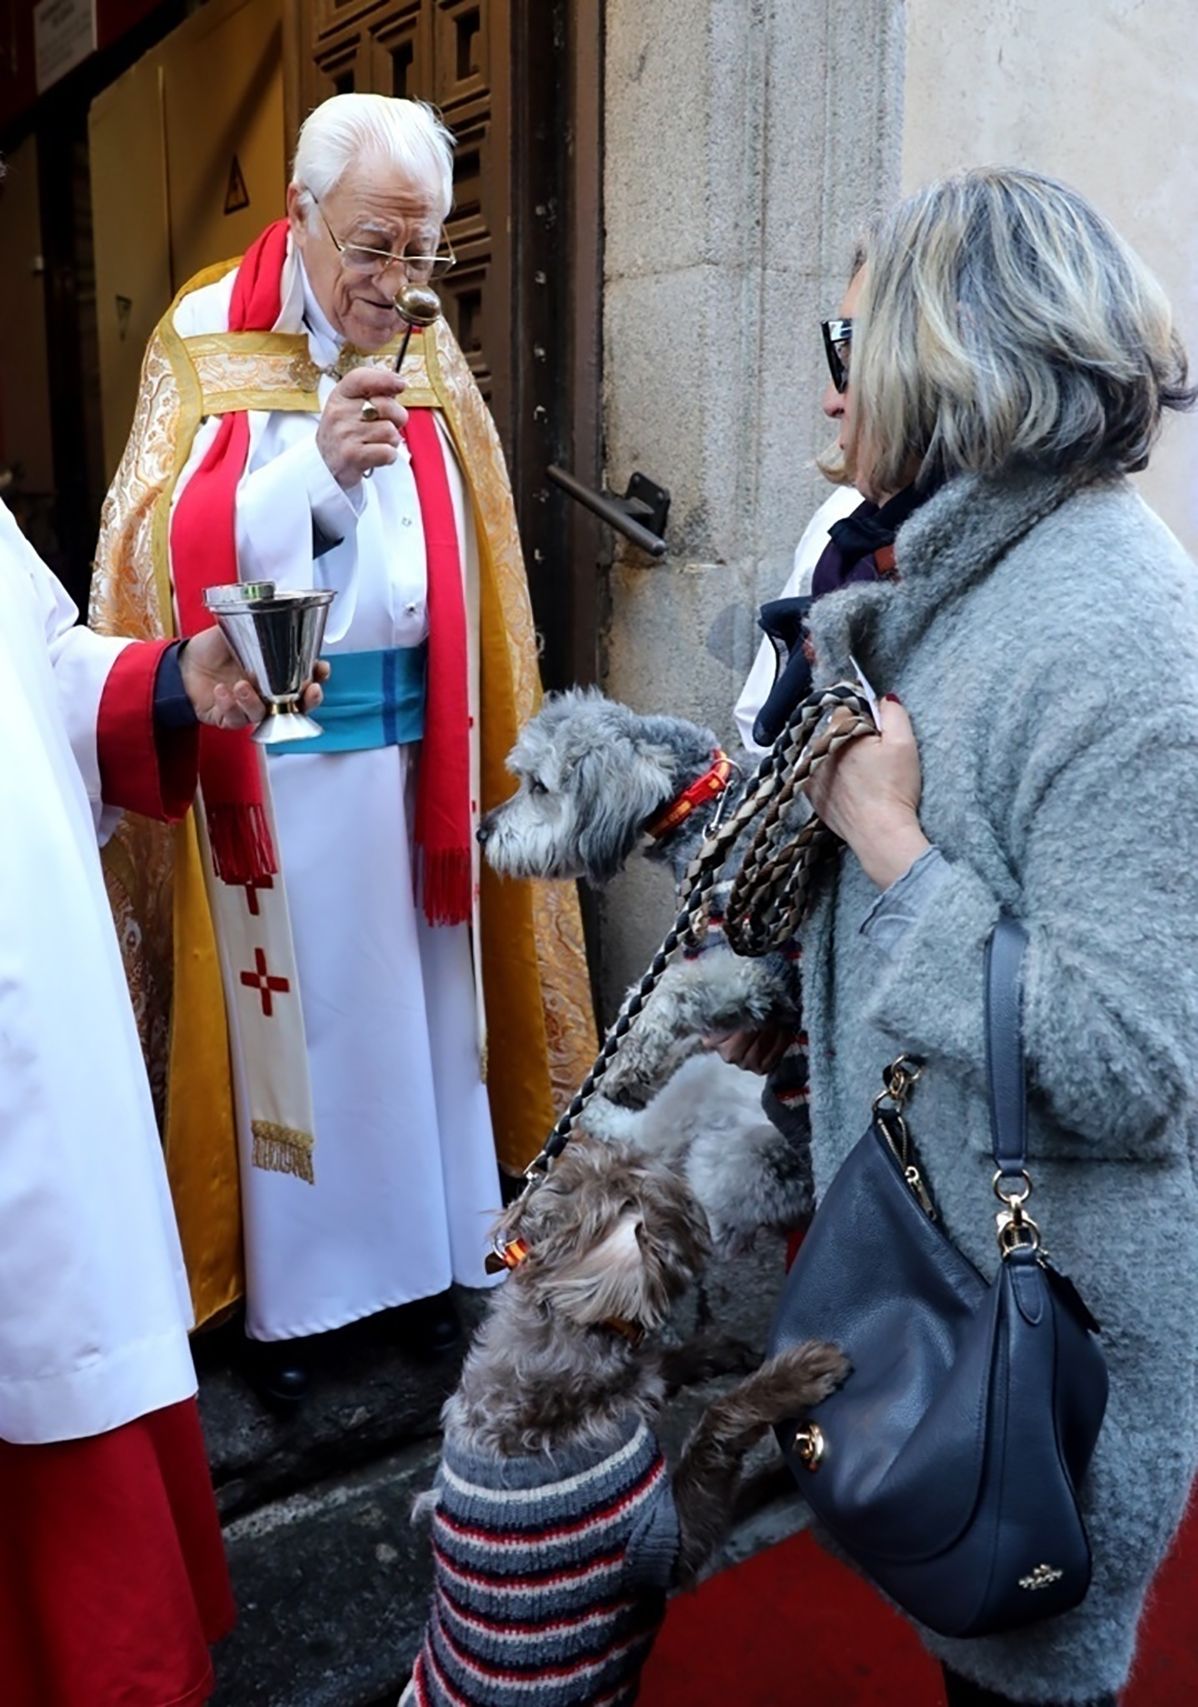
x=792, y=1628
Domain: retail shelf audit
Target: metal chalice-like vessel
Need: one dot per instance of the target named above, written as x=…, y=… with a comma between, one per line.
x=276, y=636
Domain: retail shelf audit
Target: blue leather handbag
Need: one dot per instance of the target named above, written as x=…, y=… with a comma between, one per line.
x=947, y=1465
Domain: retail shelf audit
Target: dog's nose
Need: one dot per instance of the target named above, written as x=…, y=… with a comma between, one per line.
x=483, y=831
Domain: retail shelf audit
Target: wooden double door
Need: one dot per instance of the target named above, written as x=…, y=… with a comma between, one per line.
x=518, y=84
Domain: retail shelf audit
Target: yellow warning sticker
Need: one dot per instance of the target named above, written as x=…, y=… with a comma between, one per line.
x=236, y=195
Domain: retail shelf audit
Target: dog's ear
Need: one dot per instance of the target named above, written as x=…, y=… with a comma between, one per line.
x=608, y=1280
x=618, y=788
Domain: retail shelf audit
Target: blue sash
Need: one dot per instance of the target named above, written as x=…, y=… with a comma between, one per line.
x=372, y=699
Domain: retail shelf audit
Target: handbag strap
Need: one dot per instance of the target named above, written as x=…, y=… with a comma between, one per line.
x=1005, y=1066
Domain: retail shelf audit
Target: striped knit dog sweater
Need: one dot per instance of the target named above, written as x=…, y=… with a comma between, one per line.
x=550, y=1576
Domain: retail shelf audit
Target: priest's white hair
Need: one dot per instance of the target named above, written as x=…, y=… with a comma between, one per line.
x=407, y=134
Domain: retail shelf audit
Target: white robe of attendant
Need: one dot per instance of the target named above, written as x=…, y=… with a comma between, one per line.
x=406, y=1178
x=843, y=501
x=94, y=1308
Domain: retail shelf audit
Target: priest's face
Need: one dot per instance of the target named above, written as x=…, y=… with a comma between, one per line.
x=375, y=205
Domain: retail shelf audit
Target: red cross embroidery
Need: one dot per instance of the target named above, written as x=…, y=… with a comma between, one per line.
x=264, y=982
x=251, y=888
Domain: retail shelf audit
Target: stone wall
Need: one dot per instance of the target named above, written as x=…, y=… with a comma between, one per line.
x=1100, y=93
x=746, y=143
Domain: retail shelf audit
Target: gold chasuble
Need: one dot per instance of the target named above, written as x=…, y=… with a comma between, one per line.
x=540, y=1036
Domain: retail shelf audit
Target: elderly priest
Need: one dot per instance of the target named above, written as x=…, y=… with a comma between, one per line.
x=392, y=1015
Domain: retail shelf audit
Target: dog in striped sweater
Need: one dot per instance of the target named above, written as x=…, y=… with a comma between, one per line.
x=557, y=1529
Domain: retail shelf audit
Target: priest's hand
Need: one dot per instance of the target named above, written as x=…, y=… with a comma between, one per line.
x=216, y=685
x=360, y=424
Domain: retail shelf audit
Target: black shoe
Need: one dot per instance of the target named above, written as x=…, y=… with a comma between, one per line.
x=429, y=1327
x=277, y=1372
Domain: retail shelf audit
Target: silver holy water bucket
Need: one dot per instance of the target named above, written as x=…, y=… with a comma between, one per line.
x=276, y=637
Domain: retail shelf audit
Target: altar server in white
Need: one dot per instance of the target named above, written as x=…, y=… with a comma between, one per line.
x=112, y=1574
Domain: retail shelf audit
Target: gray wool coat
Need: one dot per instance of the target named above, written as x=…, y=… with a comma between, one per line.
x=1044, y=640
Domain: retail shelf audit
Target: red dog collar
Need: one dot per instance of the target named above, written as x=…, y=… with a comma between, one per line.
x=707, y=787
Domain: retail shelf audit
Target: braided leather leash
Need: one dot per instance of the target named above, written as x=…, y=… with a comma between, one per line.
x=771, y=888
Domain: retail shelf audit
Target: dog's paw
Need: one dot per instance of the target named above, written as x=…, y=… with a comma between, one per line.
x=805, y=1374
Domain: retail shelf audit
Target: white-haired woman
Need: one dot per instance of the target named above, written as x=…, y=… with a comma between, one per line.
x=1011, y=360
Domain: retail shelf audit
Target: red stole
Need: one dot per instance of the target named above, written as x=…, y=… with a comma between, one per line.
x=204, y=554
x=443, y=806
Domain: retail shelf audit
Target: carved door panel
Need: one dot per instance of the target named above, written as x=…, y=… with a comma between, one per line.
x=446, y=52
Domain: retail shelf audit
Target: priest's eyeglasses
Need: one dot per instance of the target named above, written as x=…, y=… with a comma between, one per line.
x=838, y=337
x=419, y=269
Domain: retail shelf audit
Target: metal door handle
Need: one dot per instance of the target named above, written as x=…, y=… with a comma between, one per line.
x=640, y=515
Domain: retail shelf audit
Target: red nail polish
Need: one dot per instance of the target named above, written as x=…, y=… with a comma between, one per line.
x=893, y=697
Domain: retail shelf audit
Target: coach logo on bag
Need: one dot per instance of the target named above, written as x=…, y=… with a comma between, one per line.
x=1042, y=1577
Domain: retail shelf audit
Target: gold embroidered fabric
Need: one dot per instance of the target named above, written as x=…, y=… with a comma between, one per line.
x=235, y=369
x=540, y=1026
x=569, y=1016
x=482, y=455
x=274, y=370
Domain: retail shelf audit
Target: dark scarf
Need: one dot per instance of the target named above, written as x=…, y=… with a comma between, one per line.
x=860, y=548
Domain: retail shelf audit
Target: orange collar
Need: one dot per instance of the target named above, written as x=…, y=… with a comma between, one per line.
x=707, y=787
x=506, y=1256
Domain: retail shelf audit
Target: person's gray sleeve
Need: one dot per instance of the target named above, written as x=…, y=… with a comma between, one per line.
x=653, y=1545
x=897, y=908
x=1101, y=841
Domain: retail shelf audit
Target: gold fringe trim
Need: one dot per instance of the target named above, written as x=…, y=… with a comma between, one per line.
x=283, y=1150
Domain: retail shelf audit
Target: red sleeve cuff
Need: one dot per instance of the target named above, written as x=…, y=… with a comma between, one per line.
x=143, y=769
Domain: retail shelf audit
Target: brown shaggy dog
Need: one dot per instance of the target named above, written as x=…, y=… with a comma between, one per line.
x=556, y=1527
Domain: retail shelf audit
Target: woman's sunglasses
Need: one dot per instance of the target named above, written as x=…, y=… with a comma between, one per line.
x=838, y=336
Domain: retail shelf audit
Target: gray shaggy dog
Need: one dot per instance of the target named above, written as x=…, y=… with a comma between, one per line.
x=747, y=1165
x=556, y=1528
x=593, y=774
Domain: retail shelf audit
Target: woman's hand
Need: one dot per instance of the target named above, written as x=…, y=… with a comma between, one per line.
x=216, y=684
x=869, y=796
x=757, y=1050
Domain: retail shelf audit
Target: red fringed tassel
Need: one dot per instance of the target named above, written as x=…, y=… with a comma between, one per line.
x=446, y=884
x=242, y=850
